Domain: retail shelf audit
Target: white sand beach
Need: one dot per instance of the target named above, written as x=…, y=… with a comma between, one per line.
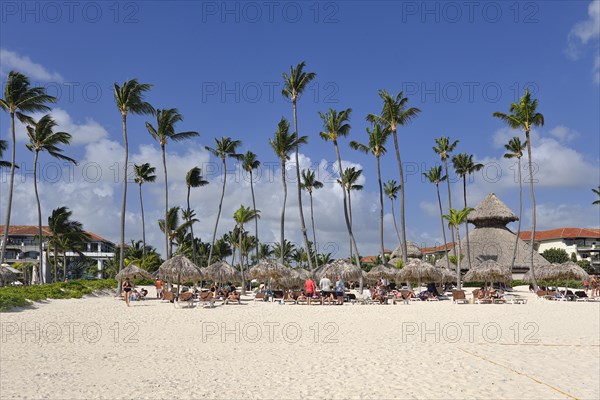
x=98, y=348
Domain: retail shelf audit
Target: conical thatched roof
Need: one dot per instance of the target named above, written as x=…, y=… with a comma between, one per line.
x=488, y=271
x=295, y=279
x=497, y=244
x=343, y=268
x=179, y=268
x=540, y=271
x=133, y=271
x=6, y=275
x=270, y=268
x=441, y=263
x=412, y=250
x=491, y=212
x=419, y=271
x=568, y=270
x=221, y=271
x=447, y=275
x=382, y=271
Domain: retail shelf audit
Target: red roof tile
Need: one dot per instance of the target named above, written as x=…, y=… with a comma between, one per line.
x=436, y=249
x=562, y=233
x=33, y=230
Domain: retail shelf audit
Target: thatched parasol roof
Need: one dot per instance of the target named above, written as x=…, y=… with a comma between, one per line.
x=441, y=263
x=412, y=250
x=382, y=271
x=497, y=244
x=343, y=268
x=133, y=271
x=221, y=271
x=6, y=275
x=269, y=268
x=295, y=279
x=491, y=212
x=447, y=275
x=568, y=270
x=488, y=271
x=419, y=271
x=179, y=268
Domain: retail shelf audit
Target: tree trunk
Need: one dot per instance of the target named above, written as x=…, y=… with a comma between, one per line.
x=512, y=264
x=143, y=225
x=450, y=203
x=191, y=226
x=124, y=200
x=350, y=216
x=64, y=277
x=312, y=221
x=298, y=185
x=532, y=239
x=167, y=228
x=256, y=219
x=458, y=261
x=437, y=188
x=357, y=255
x=395, y=224
x=55, y=256
x=467, y=222
x=10, y=187
x=242, y=261
x=282, y=234
x=219, y=212
x=39, y=210
x=402, y=216
x=380, y=212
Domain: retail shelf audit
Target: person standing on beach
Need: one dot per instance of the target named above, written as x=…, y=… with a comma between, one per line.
x=325, y=286
x=127, y=290
x=310, y=288
x=339, y=290
x=159, y=288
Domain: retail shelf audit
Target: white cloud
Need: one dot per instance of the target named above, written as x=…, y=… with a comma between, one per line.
x=552, y=216
x=584, y=32
x=10, y=60
x=430, y=208
x=596, y=70
x=563, y=133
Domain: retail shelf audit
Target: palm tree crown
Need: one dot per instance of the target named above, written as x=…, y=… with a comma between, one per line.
x=394, y=111
x=165, y=127
x=349, y=178
x=391, y=189
x=309, y=181
x=20, y=98
x=515, y=148
x=249, y=161
x=435, y=175
x=444, y=147
x=285, y=142
x=130, y=98
x=335, y=124
x=225, y=148
x=194, y=179
x=464, y=165
x=144, y=173
x=378, y=137
x=523, y=114
x=42, y=138
x=296, y=81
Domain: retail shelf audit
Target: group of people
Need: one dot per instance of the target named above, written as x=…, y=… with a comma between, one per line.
x=592, y=285
x=332, y=294
x=131, y=294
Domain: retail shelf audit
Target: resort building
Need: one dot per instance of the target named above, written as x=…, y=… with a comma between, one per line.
x=23, y=246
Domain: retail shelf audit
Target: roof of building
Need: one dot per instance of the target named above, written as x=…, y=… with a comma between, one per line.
x=491, y=211
x=33, y=230
x=436, y=249
x=562, y=233
x=372, y=259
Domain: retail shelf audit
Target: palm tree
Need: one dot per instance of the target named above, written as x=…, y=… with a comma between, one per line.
x=464, y=165
x=143, y=173
x=391, y=191
x=66, y=234
x=19, y=98
x=129, y=99
x=597, y=191
x=288, y=251
x=443, y=149
x=43, y=138
x=224, y=148
x=3, y=147
x=435, y=176
x=378, y=137
x=249, y=164
x=348, y=181
x=264, y=251
x=515, y=150
x=455, y=219
x=394, y=113
x=172, y=229
x=283, y=143
x=165, y=130
x=242, y=216
x=310, y=183
x=336, y=125
x=524, y=115
x=294, y=85
x=193, y=179
x=222, y=249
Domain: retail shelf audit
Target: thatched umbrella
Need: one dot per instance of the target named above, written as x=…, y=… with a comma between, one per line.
x=566, y=271
x=179, y=268
x=412, y=251
x=488, y=271
x=6, y=275
x=295, y=279
x=221, y=271
x=343, y=268
x=133, y=271
x=269, y=269
x=419, y=270
x=447, y=275
x=540, y=273
x=382, y=271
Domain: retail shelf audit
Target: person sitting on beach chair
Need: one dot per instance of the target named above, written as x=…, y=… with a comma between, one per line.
x=232, y=295
x=143, y=294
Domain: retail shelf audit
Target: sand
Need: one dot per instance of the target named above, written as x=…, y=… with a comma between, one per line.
x=98, y=348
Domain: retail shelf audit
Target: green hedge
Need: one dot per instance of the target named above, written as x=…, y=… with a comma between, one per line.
x=21, y=296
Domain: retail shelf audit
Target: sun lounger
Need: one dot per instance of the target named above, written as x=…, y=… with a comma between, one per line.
x=277, y=295
x=185, y=299
x=260, y=296
x=168, y=296
x=458, y=297
x=512, y=299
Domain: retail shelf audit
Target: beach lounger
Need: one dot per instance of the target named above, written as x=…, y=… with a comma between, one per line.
x=185, y=299
x=206, y=297
x=277, y=295
x=512, y=299
x=260, y=296
x=458, y=297
x=168, y=296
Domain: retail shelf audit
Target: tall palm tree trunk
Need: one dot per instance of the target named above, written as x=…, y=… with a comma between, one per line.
x=467, y=222
x=143, y=225
x=532, y=239
x=395, y=224
x=353, y=242
x=242, y=261
x=124, y=199
x=450, y=204
x=39, y=210
x=282, y=235
x=164, y=160
x=298, y=185
x=64, y=264
x=402, y=216
x=191, y=226
x=256, y=220
x=512, y=264
x=210, y=253
x=55, y=256
x=443, y=228
x=458, y=261
x=350, y=216
x=312, y=221
x=380, y=211
x=10, y=187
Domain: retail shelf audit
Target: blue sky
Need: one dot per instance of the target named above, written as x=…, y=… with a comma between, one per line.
x=220, y=64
